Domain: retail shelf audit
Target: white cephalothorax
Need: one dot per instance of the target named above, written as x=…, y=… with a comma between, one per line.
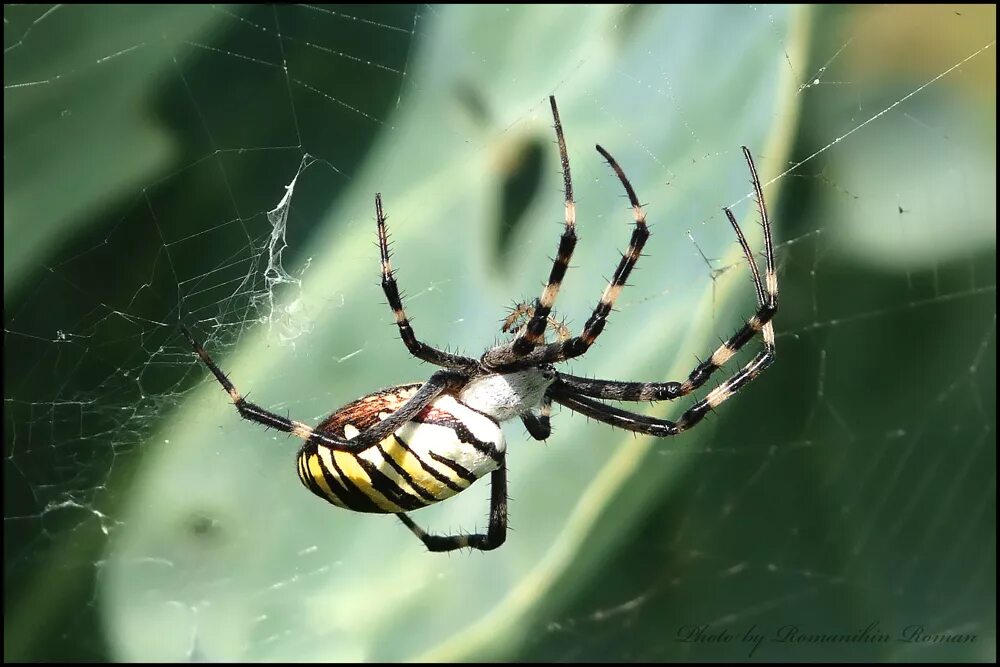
x=508, y=395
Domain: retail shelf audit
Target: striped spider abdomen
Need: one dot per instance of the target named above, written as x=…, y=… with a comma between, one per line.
x=435, y=455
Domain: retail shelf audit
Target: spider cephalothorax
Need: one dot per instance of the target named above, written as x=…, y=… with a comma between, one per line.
x=408, y=446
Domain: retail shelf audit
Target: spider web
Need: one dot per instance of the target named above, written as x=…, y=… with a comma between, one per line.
x=216, y=165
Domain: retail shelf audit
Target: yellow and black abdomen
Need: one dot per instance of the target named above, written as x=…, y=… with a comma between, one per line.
x=441, y=452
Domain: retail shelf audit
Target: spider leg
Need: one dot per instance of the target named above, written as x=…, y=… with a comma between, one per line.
x=539, y=427
x=418, y=349
x=616, y=390
x=761, y=322
x=609, y=414
x=532, y=334
x=571, y=391
x=496, y=533
x=430, y=390
x=666, y=391
x=767, y=296
x=638, y=423
x=578, y=345
x=255, y=413
x=575, y=347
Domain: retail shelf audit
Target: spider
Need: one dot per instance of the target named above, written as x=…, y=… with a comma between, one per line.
x=408, y=446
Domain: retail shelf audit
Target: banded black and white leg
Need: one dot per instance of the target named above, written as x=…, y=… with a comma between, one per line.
x=573, y=391
x=638, y=423
x=767, y=301
x=417, y=348
x=439, y=382
x=533, y=332
x=760, y=323
x=495, y=535
x=578, y=345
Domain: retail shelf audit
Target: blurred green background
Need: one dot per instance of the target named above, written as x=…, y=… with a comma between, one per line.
x=853, y=486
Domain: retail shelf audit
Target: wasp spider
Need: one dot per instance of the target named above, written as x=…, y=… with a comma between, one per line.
x=408, y=446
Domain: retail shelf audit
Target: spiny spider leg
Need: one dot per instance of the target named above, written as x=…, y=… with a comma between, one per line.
x=495, y=535
x=430, y=390
x=609, y=414
x=532, y=334
x=418, y=349
x=767, y=304
x=575, y=347
x=578, y=345
x=618, y=390
x=638, y=423
x=767, y=298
